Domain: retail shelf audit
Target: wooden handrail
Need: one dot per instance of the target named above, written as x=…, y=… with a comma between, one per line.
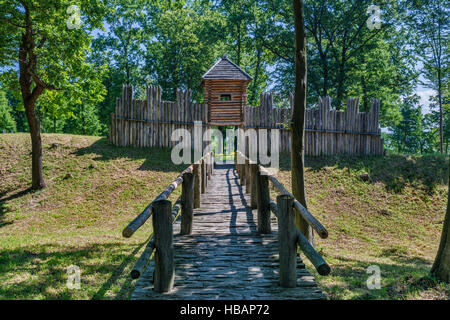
x=131, y=228
x=185, y=201
x=313, y=222
x=309, y=218
x=316, y=259
x=264, y=200
x=147, y=254
x=144, y=259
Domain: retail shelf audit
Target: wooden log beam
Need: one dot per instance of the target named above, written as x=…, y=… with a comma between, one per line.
x=242, y=171
x=176, y=210
x=143, y=260
x=187, y=203
x=197, y=185
x=287, y=241
x=144, y=215
x=274, y=208
x=316, y=259
x=146, y=256
x=313, y=222
x=263, y=202
x=248, y=176
x=163, y=233
x=253, y=192
x=203, y=174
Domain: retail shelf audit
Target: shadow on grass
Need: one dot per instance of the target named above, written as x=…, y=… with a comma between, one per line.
x=41, y=272
x=4, y=209
x=406, y=277
x=155, y=159
x=395, y=171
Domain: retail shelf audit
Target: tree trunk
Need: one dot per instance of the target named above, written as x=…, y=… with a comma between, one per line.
x=441, y=265
x=325, y=77
x=340, y=85
x=238, y=27
x=83, y=124
x=298, y=117
x=36, y=148
x=441, y=124
x=255, y=80
x=364, y=87
x=27, y=63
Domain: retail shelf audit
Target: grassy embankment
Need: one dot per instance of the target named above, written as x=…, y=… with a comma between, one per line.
x=394, y=220
x=94, y=189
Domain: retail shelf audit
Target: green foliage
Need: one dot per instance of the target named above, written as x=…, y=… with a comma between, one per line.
x=429, y=32
x=345, y=57
x=173, y=43
x=415, y=133
x=85, y=121
x=184, y=46
x=61, y=47
x=6, y=120
x=406, y=133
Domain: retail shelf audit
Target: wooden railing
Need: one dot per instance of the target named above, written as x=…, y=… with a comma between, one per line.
x=194, y=181
x=256, y=179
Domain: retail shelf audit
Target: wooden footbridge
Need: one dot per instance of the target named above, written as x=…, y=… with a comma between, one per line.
x=226, y=244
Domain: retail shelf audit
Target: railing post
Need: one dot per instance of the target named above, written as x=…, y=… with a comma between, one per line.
x=263, y=202
x=197, y=185
x=209, y=166
x=241, y=174
x=187, y=203
x=254, y=173
x=163, y=234
x=248, y=177
x=203, y=171
x=287, y=241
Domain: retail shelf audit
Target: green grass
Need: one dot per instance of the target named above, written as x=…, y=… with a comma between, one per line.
x=95, y=189
x=393, y=221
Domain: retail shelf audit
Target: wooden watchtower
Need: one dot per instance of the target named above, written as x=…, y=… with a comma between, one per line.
x=225, y=88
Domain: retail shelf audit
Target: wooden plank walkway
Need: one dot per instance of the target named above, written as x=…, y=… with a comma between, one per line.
x=225, y=257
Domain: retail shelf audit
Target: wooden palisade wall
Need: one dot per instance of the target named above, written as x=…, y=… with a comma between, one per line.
x=150, y=123
x=327, y=131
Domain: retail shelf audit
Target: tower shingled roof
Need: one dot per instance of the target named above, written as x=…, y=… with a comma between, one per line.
x=225, y=69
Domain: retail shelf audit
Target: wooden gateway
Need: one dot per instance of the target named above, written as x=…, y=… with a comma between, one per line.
x=225, y=88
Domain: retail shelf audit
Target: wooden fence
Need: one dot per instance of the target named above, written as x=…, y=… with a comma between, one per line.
x=327, y=131
x=150, y=123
